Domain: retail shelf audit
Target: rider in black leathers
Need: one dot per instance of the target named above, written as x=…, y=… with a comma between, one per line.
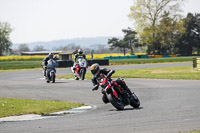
x=45, y=62
x=99, y=73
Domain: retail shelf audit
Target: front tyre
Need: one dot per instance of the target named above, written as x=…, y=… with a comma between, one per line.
x=83, y=74
x=53, y=78
x=134, y=101
x=116, y=102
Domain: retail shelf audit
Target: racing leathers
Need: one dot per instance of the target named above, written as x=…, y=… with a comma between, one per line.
x=96, y=78
x=78, y=55
x=44, y=64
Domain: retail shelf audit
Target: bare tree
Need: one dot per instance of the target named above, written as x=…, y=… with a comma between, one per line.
x=23, y=48
x=39, y=48
x=147, y=13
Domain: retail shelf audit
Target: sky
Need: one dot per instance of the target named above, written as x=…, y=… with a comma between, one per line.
x=46, y=20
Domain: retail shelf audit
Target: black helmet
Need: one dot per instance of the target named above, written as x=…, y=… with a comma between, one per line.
x=51, y=55
x=80, y=51
x=95, y=68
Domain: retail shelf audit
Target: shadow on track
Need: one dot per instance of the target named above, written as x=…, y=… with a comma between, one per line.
x=58, y=82
x=126, y=109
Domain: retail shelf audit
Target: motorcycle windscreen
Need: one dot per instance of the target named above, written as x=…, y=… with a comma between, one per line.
x=82, y=62
x=51, y=64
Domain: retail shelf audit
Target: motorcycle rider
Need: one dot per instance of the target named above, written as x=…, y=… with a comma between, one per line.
x=45, y=62
x=80, y=54
x=99, y=73
x=45, y=66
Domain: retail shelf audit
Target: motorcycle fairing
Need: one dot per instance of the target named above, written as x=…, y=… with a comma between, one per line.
x=52, y=71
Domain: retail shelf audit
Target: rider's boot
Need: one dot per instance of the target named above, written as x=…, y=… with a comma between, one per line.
x=74, y=69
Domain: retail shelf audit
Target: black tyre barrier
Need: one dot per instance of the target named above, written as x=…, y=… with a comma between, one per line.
x=101, y=62
x=64, y=63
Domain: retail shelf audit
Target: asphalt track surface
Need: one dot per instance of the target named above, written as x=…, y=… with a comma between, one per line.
x=167, y=106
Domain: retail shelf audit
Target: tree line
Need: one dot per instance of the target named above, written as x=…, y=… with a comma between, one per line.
x=160, y=27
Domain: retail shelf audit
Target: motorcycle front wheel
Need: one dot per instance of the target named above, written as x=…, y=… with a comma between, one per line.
x=116, y=102
x=82, y=74
x=134, y=102
x=53, y=77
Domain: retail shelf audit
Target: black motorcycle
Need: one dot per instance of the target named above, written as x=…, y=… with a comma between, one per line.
x=116, y=95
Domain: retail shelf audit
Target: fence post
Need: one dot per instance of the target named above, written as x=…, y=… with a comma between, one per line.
x=194, y=62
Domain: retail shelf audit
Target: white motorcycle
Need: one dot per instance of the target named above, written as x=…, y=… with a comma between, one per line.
x=80, y=69
x=51, y=71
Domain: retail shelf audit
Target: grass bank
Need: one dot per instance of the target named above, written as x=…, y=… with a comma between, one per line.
x=7, y=65
x=150, y=60
x=178, y=73
x=29, y=64
x=12, y=107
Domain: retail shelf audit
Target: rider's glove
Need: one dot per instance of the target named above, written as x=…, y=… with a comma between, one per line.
x=96, y=87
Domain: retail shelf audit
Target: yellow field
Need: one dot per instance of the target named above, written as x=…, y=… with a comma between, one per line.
x=41, y=57
x=101, y=56
x=35, y=57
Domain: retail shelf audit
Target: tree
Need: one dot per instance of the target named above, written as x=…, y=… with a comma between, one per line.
x=127, y=42
x=197, y=32
x=73, y=46
x=168, y=31
x=130, y=38
x=190, y=39
x=116, y=43
x=39, y=48
x=147, y=15
x=5, y=42
x=23, y=48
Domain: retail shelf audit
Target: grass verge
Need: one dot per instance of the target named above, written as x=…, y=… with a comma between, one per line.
x=178, y=73
x=7, y=65
x=150, y=60
x=28, y=64
x=12, y=107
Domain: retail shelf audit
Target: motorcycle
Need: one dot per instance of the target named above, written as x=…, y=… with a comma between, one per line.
x=80, y=69
x=116, y=95
x=51, y=71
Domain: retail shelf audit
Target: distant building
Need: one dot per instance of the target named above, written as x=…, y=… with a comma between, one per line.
x=40, y=52
x=67, y=55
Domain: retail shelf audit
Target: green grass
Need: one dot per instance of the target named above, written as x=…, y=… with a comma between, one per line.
x=11, y=107
x=150, y=60
x=28, y=64
x=7, y=65
x=190, y=132
x=178, y=72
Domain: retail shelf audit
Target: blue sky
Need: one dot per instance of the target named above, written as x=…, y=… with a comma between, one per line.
x=45, y=20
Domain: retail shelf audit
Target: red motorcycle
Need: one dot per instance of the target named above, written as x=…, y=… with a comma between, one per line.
x=116, y=95
x=80, y=69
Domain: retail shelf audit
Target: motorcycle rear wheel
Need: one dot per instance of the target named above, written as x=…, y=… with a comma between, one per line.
x=117, y=103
